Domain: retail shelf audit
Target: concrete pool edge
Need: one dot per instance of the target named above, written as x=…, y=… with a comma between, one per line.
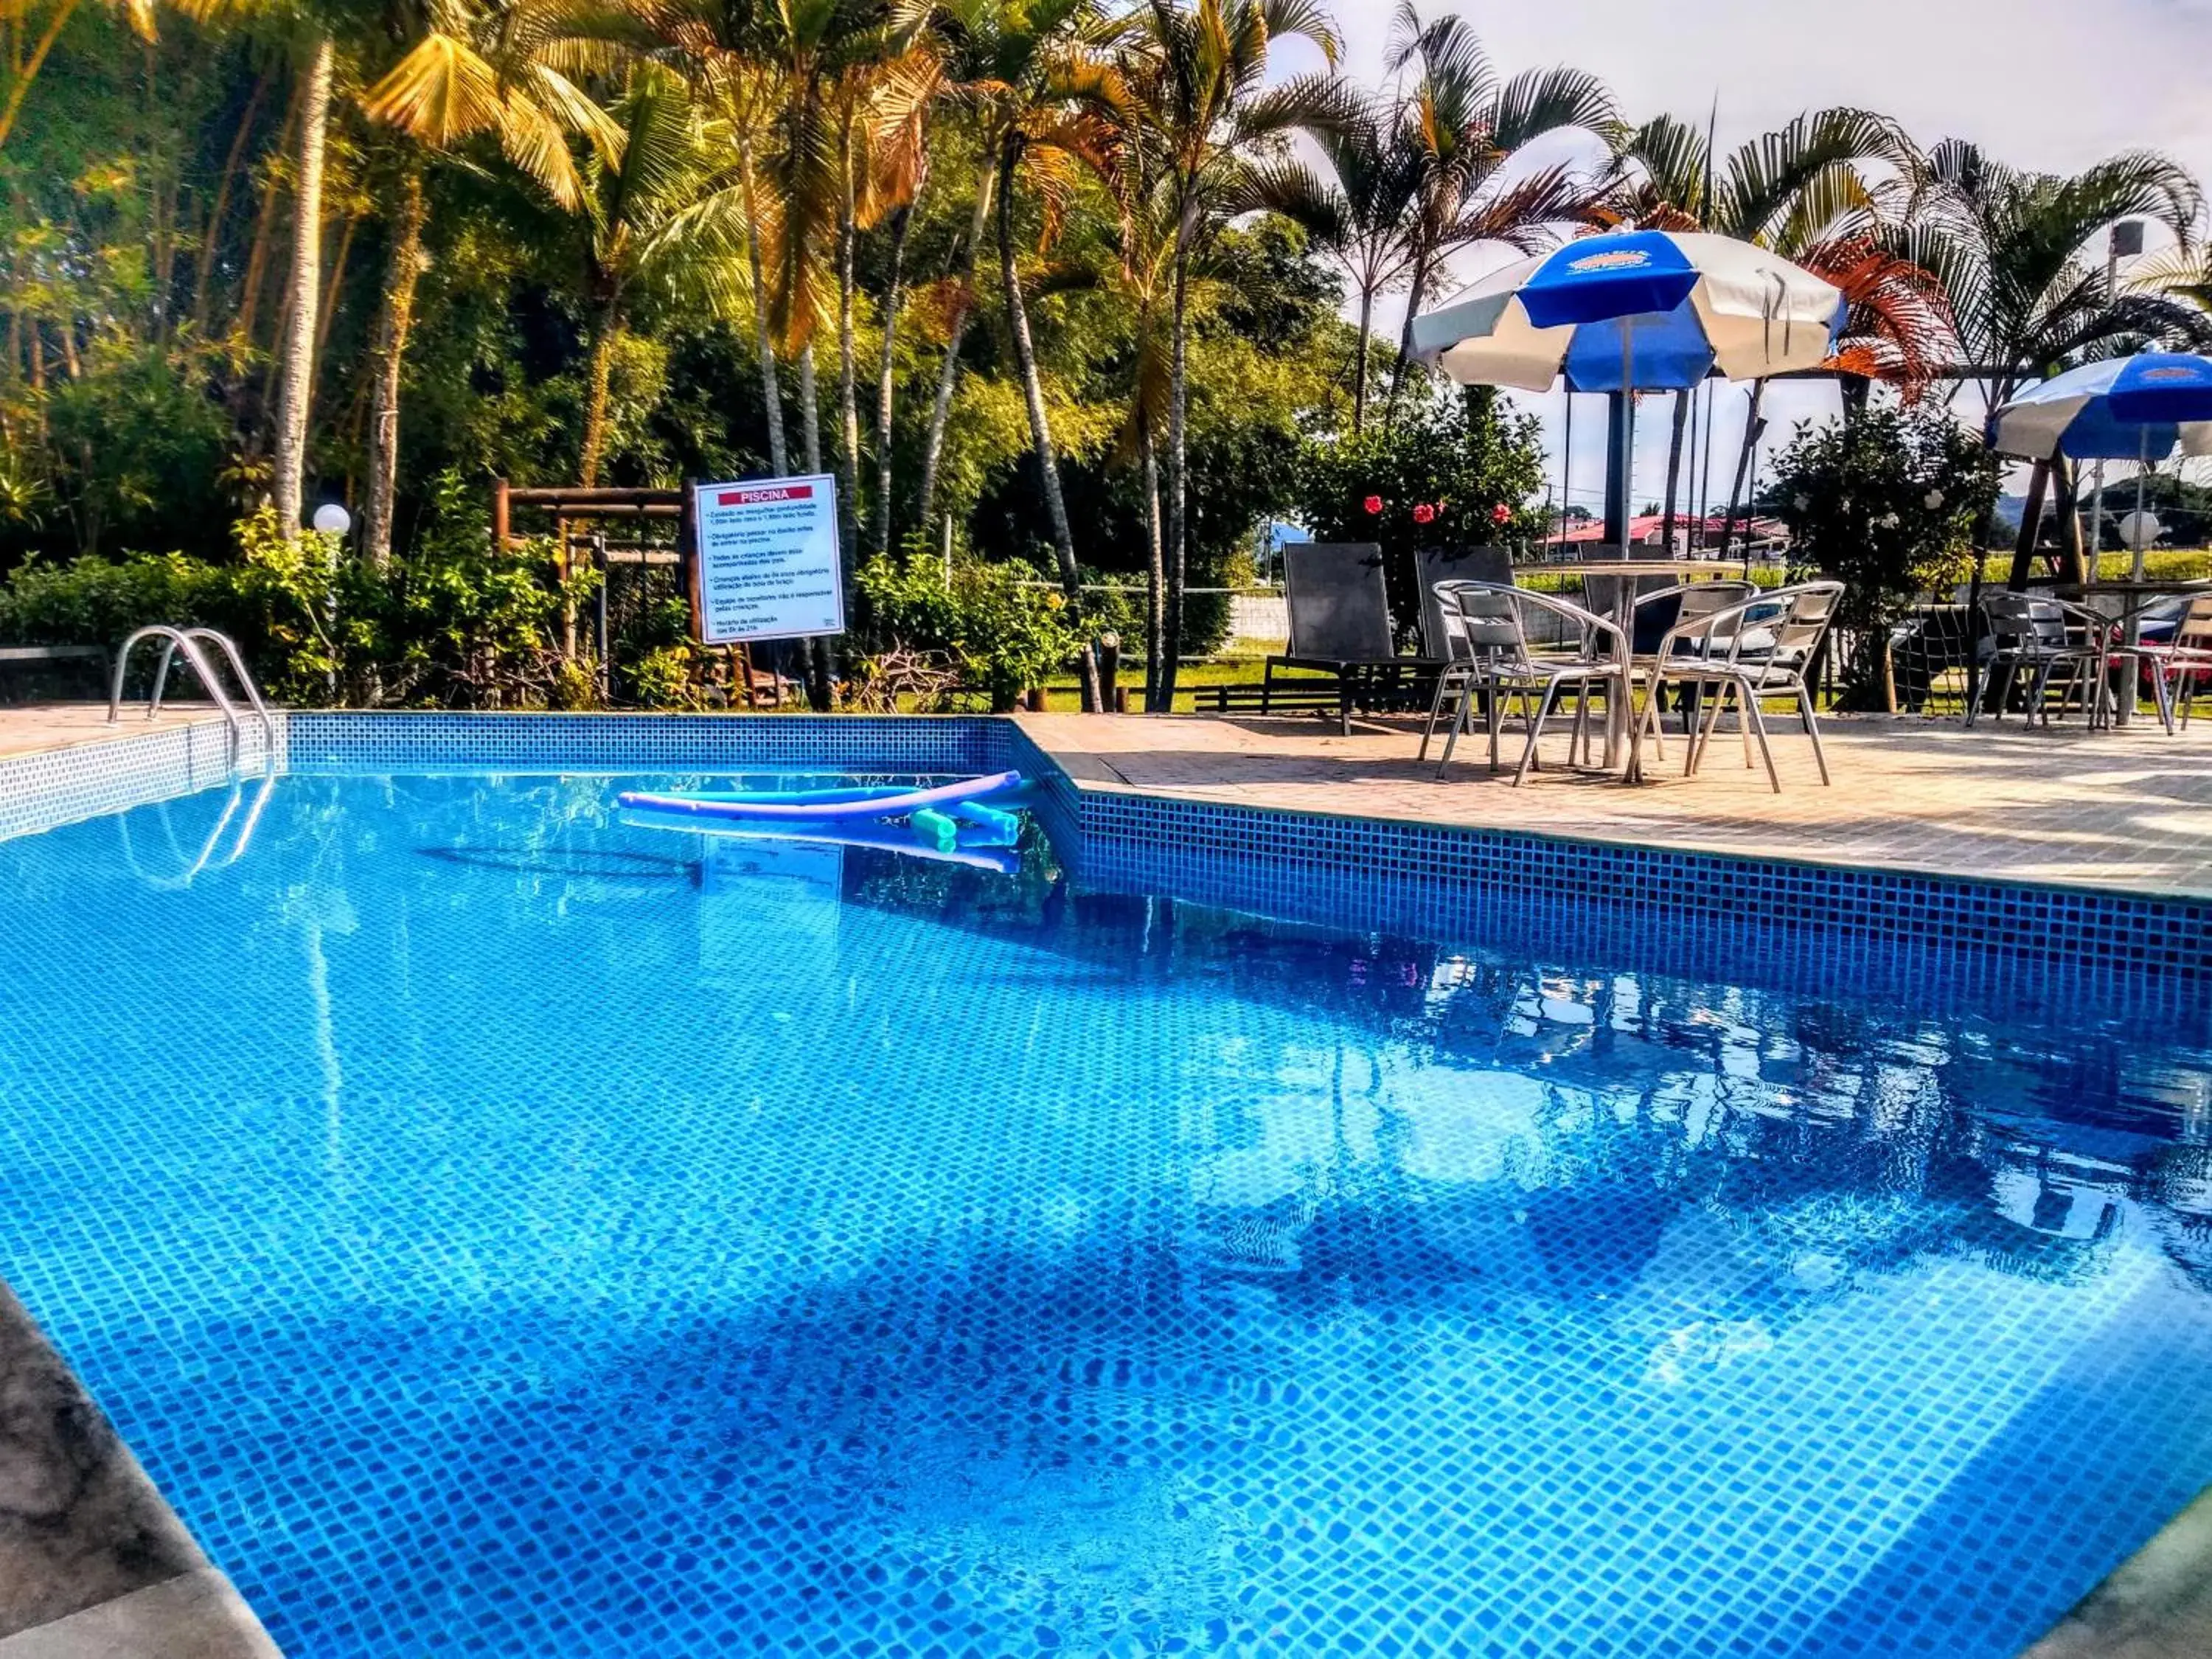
x=93, y=1561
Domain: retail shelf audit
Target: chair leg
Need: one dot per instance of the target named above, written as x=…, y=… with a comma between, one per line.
x=1757, y=722
x=1719, y=706
x=1528, y=762
x=1812, y=730
x=1435, y=706
x=1493, y=716
x=1458, y=726
x=1267, y=686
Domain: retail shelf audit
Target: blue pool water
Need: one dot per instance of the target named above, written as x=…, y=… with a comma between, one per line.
x=501, y=1228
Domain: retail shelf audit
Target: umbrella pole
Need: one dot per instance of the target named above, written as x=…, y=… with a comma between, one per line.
x=2097, y=522
x=1627, y=430
x=1566, y=469
x=2142, y=465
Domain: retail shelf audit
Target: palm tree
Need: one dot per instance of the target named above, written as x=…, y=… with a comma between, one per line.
x=663, y=146
x=1358, y=215
x=507, y=70
x=138, y=14
x=1012, y=65
x=1805, y=191
x=1199, y=99
x=2009, y=245
x=2009, y=248
x=1463, y=127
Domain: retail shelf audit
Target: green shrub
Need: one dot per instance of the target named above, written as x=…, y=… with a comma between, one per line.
x=1885, y=502
x=458, y=629
x=1002, y=633
x=1449, y=473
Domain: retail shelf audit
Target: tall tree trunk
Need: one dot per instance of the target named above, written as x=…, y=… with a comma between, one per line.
x=1359, y=363
x=1178, y=466
x=211, y=239
x=605, y=330
x=948, y=374
x=397, y=316
x=1742, y=468
x=1155, y=630
x=1414, y=296
x=779, y=455
x=886, y=387
x=1674, y=466
x=809, y=410
x=289, y=487
x=1018, y=323
x=821, y=664
x=848, y=396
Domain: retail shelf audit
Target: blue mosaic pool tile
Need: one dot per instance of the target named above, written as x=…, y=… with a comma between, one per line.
x=411, y=741
x=2085, y=926
x=585, y=1239
x=53, y=787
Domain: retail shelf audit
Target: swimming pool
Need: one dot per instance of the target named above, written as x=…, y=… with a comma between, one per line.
x=501, y=1228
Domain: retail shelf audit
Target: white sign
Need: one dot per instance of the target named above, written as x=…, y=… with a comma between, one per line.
x=768, y=568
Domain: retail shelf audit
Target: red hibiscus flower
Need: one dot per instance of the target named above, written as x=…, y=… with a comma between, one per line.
x=1500, y=514
x=1425, y=513
x=1373, y=504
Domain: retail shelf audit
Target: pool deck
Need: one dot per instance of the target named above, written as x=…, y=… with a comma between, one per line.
x=2129, y=808
x=33, y=728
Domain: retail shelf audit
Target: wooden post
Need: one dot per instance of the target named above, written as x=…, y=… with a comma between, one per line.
x=500, y=523
x=686, y=549
x=2066, y=504
x=1109, y=670
x=562, y=565
x=2031, y=520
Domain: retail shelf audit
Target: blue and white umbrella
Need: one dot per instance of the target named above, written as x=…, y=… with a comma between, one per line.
x=1641, y=310
x=2123, y=409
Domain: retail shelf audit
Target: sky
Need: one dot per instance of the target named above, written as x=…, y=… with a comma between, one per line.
x=2048, y=84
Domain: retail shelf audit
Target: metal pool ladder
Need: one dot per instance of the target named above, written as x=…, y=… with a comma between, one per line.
x=188, y=642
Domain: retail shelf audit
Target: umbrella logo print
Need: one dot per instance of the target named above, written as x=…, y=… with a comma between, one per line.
x=2175, y=373
x=1617, y=259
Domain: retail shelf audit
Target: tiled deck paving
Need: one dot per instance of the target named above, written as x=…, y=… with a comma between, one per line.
x=36, y=727
x=2129, y=808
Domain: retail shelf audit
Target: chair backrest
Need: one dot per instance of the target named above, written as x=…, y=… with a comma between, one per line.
x=2026, y=622
x=1340, y=609
x=2195, y=631
x=1775, y=631
x=1656, y=613
x=1488, y=623
x=1432, y=565
x=1478, y=623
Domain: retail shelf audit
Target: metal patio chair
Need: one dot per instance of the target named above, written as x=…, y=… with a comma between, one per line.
x=1491, y=663
x=1653, y=616
x=1432, y=565
x=2046, y=638
x=2181, y=663
x=1756, y=648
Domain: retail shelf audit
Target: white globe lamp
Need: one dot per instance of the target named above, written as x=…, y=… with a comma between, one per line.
x=333, y=519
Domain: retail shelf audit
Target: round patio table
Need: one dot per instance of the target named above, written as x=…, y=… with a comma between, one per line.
x=1617, y=710
x=2134, y=597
